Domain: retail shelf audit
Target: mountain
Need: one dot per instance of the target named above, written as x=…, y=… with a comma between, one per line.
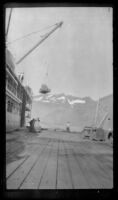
x=55, y=110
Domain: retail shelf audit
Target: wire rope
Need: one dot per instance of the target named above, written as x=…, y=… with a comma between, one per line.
x=29, y=34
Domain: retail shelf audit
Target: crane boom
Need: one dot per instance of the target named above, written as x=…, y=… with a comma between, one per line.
x=103, y=120
x=96, y=114
x=46, y=36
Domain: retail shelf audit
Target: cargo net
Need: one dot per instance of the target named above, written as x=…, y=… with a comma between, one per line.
x=44, y=89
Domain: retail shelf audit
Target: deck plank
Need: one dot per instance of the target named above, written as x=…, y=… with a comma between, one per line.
x=64, y=178
x=102, y=159
x=33, y=179
x=96, y=172
x=85, y=166
x=11, y=167
x=15, y=180
x=79, y=180
x=49, y=178
x=55, y=164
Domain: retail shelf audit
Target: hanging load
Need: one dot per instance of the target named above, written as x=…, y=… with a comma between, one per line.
x=44, y=89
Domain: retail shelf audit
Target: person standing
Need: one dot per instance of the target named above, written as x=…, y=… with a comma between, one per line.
x=68, y=127
x=32, y=129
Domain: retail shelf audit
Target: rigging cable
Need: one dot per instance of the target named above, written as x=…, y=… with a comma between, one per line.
x=29, y=34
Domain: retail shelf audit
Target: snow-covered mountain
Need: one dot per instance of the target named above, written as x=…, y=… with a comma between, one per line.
x=55, y=110
x=58, y=98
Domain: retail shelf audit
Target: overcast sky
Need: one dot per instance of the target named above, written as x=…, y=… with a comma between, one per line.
x=78, y=56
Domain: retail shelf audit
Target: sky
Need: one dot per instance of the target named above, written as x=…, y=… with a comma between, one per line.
x=78, y=57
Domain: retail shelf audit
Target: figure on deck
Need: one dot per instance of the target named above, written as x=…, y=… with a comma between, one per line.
x=68, y=126
x=32, y=122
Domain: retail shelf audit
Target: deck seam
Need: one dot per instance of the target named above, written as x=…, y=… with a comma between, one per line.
x=69, y=169
x=33, y=166
x=102, y=168
x=44, y=169
x=20, y=164
x=17, y=167
x=73, y=152
x=57, y=164
x=96, y=161
x=88, y=163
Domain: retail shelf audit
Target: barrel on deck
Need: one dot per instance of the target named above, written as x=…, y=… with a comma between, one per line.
x=100, y=134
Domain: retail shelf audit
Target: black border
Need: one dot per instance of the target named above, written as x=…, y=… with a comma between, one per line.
x=74, y=194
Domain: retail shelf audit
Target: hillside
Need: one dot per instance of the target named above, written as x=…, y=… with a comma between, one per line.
x=106, y=105
x=56, y=110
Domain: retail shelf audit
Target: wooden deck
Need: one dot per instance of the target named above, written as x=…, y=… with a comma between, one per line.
x=50, y=163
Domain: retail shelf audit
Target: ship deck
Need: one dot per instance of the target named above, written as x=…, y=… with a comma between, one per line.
x=57, y=160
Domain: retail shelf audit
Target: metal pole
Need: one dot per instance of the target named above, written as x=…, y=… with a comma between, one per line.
x=101, y=123
x=8, y=23
x=96, y=112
